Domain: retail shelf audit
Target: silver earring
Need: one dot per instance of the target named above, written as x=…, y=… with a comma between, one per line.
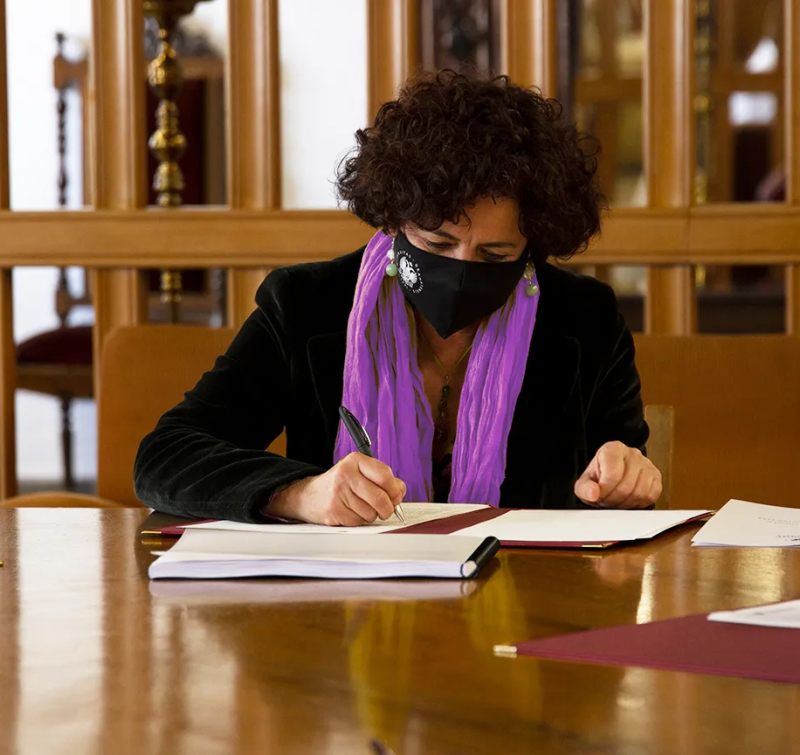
x=391, y=268
x=531, y=289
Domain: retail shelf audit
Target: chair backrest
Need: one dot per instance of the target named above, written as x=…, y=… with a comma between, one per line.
x=660, y=447
x=737, y=415
x=145, y=371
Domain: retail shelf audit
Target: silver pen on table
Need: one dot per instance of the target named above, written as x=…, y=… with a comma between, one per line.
x=363, y=444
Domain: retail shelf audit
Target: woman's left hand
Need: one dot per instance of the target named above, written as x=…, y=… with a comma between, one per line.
x=619, y=477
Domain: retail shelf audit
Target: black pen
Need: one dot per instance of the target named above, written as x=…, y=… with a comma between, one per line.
x=362, y=442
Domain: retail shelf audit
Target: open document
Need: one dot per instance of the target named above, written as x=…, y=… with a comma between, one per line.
x=739, y=523
x=527, y=528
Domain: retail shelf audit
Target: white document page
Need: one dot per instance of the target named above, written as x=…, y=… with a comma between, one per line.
x=785, y=614
x=579, y=526
x=415, y=513
x=739, y=523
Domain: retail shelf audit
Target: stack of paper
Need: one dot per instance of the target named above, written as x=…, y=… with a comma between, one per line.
x=739, y=523
x=219, y=554
x=785, y=615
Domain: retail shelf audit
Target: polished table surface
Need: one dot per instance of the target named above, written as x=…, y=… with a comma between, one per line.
x=95, y=659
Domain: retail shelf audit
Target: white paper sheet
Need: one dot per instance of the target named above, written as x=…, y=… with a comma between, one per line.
x=579, y=526
x=785, y=614
x=415, y=513
x=740, y=523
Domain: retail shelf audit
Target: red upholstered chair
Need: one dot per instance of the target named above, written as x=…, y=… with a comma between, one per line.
x=59, y=363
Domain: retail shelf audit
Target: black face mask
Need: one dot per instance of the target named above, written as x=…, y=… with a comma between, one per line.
x=451, y=294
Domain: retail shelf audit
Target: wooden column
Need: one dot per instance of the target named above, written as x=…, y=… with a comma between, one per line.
x=8, y=357
x=118, y=127
x=4, y=185
x=8, y=384
x=254, y=123
x=791, y=53
x=529, y=42
x=392, y=49
x=671, y=305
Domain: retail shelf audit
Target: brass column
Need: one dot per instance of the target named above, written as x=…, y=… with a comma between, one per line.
x=167, y=144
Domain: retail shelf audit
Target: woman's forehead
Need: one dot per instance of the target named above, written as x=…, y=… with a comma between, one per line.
x=488, y=216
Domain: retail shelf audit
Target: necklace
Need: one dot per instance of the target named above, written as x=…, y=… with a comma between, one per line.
x=440, y=425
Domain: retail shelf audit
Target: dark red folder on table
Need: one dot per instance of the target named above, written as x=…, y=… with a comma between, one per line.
x=691, y=643
x=161, y=524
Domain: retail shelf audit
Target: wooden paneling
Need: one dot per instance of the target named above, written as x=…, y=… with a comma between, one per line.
x=392, y=49
x=712, y=234
x=254, y=125
x=118, y=158
x=185, y=238
x=529, y=43
x=671, y=302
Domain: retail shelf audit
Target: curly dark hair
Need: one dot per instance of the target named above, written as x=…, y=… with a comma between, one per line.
x=451, y=138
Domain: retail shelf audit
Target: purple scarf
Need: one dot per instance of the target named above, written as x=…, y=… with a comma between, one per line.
x=383, y=386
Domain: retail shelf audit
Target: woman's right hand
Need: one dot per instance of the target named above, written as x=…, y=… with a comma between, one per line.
x=356, y=490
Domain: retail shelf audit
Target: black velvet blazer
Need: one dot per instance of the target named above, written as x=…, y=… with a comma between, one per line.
x=284, y=370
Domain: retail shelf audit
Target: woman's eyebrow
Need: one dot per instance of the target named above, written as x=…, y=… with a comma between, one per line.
x=496, y=244
x=445, y=234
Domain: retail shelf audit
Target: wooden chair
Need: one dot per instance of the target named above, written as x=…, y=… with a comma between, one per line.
x=145, y=370
x=58, y=500
x=737, y=415
x=660, y=447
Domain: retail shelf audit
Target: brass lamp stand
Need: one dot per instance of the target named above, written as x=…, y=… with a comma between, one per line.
x=167, y=144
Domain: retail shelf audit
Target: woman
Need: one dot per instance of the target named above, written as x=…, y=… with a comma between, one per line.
x=482, y=372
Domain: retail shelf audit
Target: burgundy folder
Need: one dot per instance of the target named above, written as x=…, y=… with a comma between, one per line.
x=159, y=524
x=691, y=643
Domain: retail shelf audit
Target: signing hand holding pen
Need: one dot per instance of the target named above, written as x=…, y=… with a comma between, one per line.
x=357, y=490
x=363, y=444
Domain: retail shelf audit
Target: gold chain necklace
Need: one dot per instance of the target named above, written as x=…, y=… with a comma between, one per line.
x=440, y=426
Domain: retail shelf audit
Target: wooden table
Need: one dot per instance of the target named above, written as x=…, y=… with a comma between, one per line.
x=95, y=659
